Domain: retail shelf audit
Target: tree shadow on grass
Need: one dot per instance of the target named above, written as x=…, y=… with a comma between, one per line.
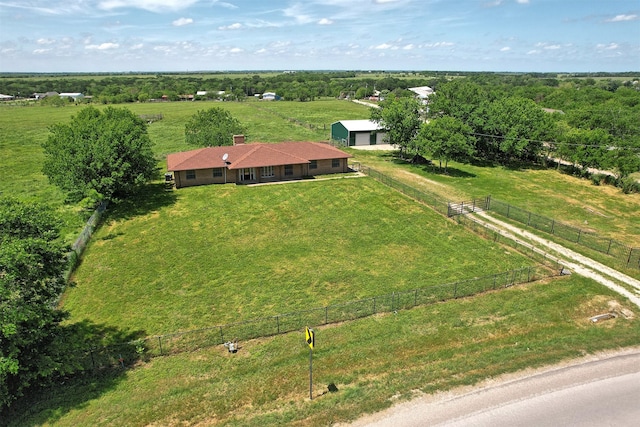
x=100, y=355
x=150, y=198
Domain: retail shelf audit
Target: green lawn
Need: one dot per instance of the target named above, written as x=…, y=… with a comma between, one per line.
x=210, y=255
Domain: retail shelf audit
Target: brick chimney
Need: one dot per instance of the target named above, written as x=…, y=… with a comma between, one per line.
x=238, y=139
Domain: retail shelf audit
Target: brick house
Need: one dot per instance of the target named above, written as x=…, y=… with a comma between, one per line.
x=255, y=163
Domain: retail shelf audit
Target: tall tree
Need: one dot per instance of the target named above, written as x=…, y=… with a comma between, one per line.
x=212, y=128
x=446, y=138
x=104, y=154
x=400, y=117
x=519, y=127
x=32, y=266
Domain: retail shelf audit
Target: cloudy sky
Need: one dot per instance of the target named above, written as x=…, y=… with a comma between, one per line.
x=190, y=35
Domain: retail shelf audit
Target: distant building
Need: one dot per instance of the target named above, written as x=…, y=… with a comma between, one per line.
x=73, y=95
x=6, y=97
x=44, y=95
x=422, y=93
x=270, y=96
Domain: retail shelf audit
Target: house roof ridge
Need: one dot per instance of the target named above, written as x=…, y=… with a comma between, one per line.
x=193, y=153
x=246, y=154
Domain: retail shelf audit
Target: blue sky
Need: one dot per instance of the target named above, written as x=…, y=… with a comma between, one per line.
x=191, y=35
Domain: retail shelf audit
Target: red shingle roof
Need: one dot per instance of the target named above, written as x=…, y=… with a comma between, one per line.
x=253, y=155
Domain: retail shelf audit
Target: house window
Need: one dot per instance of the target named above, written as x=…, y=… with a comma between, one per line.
x=313, y=164
x=335, y=163
x=267, y=172
x=288, y=170
x=191, y=174
x=217, y=172
x=247, y=174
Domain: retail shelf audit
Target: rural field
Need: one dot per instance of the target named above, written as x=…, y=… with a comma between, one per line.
x=171, y=261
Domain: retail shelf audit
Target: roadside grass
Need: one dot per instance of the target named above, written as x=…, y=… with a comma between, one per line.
x=374, y=362
x=548, y=192
x=210, y=255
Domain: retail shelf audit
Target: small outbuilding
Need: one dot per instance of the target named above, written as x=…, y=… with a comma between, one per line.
x=357, y=132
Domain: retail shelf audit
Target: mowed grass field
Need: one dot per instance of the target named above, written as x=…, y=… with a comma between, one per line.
x=220, y=254
x=176, y=260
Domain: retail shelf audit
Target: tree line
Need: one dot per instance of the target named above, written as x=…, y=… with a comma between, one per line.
x=584, y=123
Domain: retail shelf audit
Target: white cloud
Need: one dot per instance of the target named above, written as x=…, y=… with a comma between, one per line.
x=235, y=26
x=383, y=46
x=610, y=46
x=298, y=14
x=137, y=46
x=236, y=50
x=523, y=1
x=623, y=18
x=225, y=4
x=410, y=46
x=150, y=5
x=505, y=49
x=439, y=44
x=182, y=21
x=103, y=46
x=385, y=1
x=552, y=47
x=41, y=51
x=533, y=52
x=325, y=21
x=45, y=41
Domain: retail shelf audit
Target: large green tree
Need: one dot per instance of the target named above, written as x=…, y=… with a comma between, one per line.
x=212, y=128
x=99, y=154
x=519, y=128
x=446, y=138
x=32, y=267
x=400, y=118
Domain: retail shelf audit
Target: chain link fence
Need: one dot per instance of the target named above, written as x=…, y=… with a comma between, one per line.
x=127, y=353
x=626, y=255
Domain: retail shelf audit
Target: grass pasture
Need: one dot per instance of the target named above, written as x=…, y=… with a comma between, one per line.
x=221, y=254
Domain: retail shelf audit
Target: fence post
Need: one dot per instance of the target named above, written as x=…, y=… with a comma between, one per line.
x=221, y=335
x=579, y=233
x=529, y=220
x=278, y=324
x=553, y=224
x=508, y=208
x=415, y=298
x=374, y=305
x=609, y=248
x=326, y=315
x=160, y=344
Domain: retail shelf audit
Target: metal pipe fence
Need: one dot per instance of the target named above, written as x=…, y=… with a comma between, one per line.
x=626, y=255
x=180, y=342
x=77, y=248
x=435, y=202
